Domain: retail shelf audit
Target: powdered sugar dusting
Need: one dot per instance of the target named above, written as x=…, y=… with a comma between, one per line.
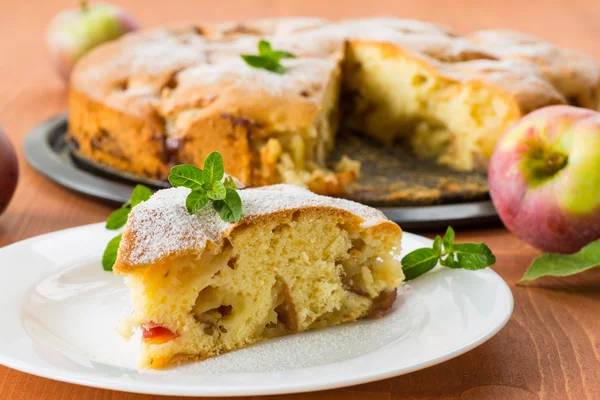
x=584, y=71
x=300, y=73
x=162, y=225
x=210, y=55
x=155, y=54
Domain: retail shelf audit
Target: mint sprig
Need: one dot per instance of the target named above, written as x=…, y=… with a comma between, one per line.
x=110, y=253
x=267, y=58
x=230, y=207
x=230, y=183
x=471, y=256
x=553, y=264
x=140, y=194
x=207, y=185
x=117, y=219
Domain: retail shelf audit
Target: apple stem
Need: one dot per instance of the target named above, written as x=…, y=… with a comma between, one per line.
x=539, y=167
x=555, y=163
x=84, y=5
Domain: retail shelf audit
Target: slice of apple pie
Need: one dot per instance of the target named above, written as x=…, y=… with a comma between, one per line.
x=296, y=261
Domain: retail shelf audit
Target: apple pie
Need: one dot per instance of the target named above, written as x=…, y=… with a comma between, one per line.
x=171, y=95
x=295, y=261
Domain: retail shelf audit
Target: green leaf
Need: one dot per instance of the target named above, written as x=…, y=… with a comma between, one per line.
x=283, y=54
x=437, y=246
x=265, y=63
x=213, y=167
x=474, y=256
x=553, y=264
x=195, y=201
x=448, y=239
x=117, y=218
x=264, y=48
x=110, y=253
x=256, y=61
x=270, y=64
x=275, y=67
x=187, y=176
x=417, y=262
x=230, y=208
x=140, y=194
x=230, y=183
x=449, y=261
x=267, y=58
x=217, y=191
x=471, y=256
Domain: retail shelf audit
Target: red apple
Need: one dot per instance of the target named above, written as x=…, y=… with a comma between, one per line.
x=544, y=178
x=72, y=33
x=9, y=171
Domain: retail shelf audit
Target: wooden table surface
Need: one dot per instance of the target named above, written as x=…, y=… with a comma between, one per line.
x=550, y=348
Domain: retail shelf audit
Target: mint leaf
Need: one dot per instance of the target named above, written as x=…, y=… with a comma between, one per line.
x=275, y=67
x=187, y=176
x=206, y=185
x=213, y=167
x=449, y=261
x=110, y=253
x=437, y=246
x=417, y=262
x=140, y=194
x=448, y=239
x=195, y=201
x=267, y=58
x=265, y=63
x=230, y=183
x=283, y=54
x=471, y=256
x=264, y=48
x=217, y=191
x=230, y=208
x=117, y=218
x=256, y=61
x=552, y=264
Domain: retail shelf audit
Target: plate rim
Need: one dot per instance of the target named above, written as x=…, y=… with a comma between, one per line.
x=157, y=389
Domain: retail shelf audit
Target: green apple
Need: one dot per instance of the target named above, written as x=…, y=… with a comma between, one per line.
x=544, y=178
x=72, y=33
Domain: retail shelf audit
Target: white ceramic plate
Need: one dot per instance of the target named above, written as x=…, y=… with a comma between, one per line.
x=59, y=309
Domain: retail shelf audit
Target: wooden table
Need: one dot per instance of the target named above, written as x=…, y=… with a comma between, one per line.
x=550, y=349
